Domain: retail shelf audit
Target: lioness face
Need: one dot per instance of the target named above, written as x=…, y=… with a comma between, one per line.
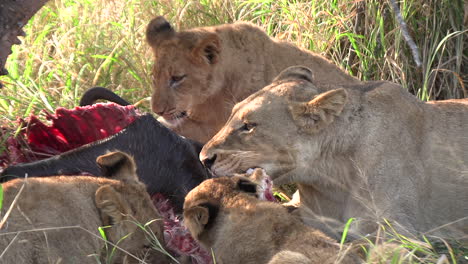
x=246, y=139
x=183, y=70
x=269, y=128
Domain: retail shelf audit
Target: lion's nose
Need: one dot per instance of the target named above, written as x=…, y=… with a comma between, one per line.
x=158, y=106
x=158, y=109
x=209, y=161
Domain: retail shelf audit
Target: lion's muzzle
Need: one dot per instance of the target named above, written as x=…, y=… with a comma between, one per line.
x=208, y=161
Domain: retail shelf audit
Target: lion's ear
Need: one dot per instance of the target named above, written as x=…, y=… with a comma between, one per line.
x=158, y=29
x=113, y=208
x=195, y=219
x=117, y=165
x=198, y=218
x=318, y=113
x=207, y=49
x=115, y=212
x=294, y=73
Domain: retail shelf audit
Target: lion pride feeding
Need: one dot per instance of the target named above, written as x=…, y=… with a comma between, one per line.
x=369, y=151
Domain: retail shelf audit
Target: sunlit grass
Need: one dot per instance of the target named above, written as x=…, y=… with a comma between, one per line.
x=389, y=246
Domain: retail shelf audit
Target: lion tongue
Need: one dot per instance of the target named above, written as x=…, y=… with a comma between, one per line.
x=176, y=236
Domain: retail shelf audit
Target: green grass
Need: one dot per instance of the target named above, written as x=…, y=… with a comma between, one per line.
x=150, y=236
x=389, y=246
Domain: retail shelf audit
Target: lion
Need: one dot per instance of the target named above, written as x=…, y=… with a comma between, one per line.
x=370, y=151
x=201, y=73
x=224, y=214
x=56, y=219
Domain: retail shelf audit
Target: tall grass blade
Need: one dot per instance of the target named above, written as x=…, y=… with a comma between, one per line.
x=345, y=231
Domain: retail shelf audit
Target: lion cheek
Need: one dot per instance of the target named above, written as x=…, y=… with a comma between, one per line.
x=277, y=167
x=226, y=167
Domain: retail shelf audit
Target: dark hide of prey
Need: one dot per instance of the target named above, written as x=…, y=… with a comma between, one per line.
x=100, y=93
x=167, y=163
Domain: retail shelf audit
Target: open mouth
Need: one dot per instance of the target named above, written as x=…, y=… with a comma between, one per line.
x=174, y=119
x=181, y=115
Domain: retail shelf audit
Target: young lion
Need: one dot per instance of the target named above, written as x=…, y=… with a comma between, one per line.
x=370, y=151
x=200, y=73
x=56, y=219
x=224, y=214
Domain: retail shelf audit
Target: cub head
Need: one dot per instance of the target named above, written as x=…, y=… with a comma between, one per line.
x=184, y=69
x=203, y=204
x=125, y=205
x=276, y=127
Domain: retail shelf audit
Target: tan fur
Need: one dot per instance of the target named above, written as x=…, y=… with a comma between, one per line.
x=222, y=65
x=239, y=228
x=40, y=228
x=369, y=151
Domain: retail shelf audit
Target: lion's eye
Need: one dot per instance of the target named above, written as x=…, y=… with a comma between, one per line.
x=247, y=127
x=176, y=79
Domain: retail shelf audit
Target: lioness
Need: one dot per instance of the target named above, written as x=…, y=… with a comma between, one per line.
x=224, y=214
x=369, y=151
x=43, y=224
x=200, y=73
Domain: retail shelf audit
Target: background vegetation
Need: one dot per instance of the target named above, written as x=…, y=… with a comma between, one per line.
x=72, y=45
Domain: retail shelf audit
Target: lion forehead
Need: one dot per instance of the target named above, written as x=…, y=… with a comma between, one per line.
x=172, y=60
x=255, y=104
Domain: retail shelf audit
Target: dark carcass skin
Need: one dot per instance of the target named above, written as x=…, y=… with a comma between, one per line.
x=100, y=93
x=167, y=163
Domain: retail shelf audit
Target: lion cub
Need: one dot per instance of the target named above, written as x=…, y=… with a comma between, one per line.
x=225, y=215
x=56, y=219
